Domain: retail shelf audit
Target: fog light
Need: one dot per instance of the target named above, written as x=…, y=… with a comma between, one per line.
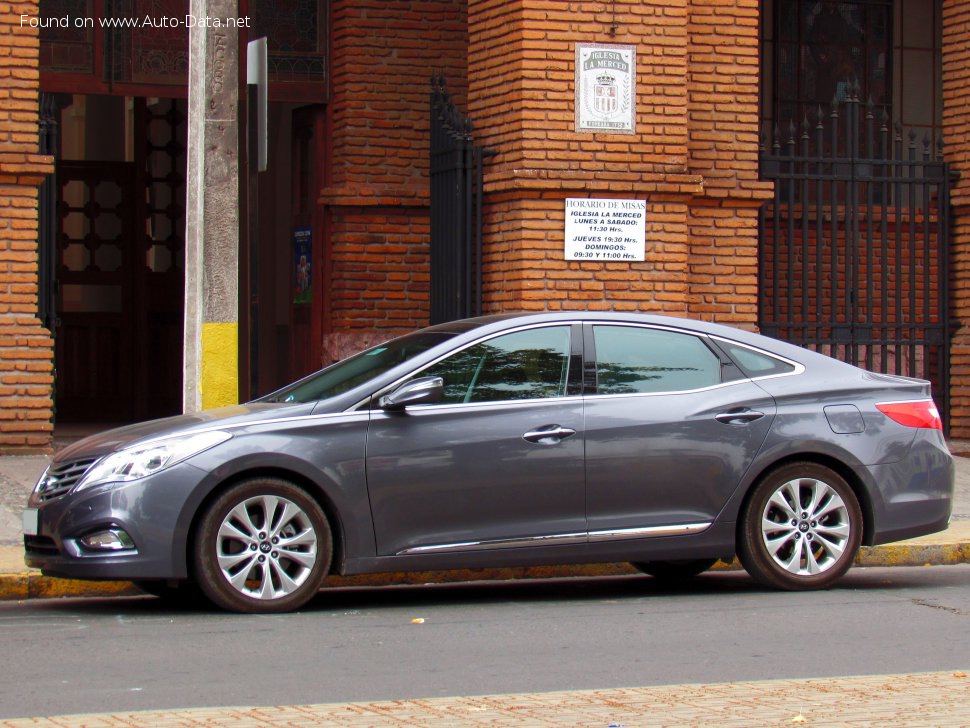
x=112, y=540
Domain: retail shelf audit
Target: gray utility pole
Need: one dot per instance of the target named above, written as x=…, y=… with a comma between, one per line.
x=211, y=364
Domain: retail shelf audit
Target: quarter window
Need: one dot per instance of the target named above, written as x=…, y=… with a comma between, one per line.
x=632, y=360
x=756, y=364
x=529, y=364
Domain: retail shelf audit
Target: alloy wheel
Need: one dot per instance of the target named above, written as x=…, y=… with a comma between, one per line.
x=805, y=526
x=800, y=528
x=264, y=545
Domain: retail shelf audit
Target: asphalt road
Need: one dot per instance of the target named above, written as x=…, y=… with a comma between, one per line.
x=78, y=656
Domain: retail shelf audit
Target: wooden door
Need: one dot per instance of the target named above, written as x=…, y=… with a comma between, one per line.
x=96, y=252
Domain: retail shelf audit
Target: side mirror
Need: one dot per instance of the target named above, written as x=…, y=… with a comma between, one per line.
x=424, y=390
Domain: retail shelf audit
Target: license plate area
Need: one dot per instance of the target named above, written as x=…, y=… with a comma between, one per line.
x=31, y=522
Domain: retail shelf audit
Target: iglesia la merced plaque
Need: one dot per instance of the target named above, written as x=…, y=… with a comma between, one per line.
x=605, y=88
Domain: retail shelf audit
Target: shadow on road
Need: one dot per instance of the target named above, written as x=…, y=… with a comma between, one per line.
x=634, y=589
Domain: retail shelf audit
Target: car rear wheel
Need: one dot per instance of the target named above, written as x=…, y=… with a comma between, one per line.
x=801, y=528
x=677, y=570
x=263, y=546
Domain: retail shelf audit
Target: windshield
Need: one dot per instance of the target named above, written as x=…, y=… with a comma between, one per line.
x=348, y=373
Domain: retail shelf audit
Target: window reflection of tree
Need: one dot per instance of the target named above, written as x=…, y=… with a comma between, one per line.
x=633, y=360
x=487, y=373
x=613, y=378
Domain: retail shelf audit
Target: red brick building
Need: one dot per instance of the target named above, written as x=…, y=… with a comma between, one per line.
x=347, y=195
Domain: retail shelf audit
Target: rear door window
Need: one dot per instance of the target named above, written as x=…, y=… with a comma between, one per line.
x=638, y=360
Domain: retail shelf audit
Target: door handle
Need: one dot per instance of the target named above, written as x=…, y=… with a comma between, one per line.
x=740, y=416
x=549, y=435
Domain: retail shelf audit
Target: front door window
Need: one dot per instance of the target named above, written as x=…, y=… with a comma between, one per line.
x=532, y=364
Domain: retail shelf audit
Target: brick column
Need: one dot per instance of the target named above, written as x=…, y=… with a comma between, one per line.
x=956, y=137
x=26, y=347
x=723, y=91
x=694, y=164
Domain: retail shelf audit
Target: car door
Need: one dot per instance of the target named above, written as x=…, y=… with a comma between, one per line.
x=667, y=438
x=497, y=464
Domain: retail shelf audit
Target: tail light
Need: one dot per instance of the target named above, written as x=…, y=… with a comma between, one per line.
x=918, y=413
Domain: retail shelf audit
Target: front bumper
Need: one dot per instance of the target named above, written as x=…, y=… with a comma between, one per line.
x=155, y=512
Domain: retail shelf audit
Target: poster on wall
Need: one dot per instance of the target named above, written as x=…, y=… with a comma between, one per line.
x=602, y=229
x=606, y=83
x=302, y=259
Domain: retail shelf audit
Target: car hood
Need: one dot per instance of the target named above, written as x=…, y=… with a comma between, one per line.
x=229, y=417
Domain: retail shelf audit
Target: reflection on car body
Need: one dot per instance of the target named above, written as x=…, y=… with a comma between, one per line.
x=509, y=440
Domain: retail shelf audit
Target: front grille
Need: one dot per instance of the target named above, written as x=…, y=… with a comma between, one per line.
x=61, y=477
x=40, y=545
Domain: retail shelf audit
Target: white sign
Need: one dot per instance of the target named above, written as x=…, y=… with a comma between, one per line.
x=605, y=229
x=606, y=82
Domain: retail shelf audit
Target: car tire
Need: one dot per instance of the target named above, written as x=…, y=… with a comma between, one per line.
x=263, y=546
x=675, y=570
x=801, y=528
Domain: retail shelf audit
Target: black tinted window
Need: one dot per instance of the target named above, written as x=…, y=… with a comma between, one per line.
x=632, y=360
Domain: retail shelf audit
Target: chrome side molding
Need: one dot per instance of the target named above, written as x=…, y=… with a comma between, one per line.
x=682, y=529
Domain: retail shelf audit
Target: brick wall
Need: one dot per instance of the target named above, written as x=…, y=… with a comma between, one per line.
x=956, y=136
x=723, y=92
x=375, y=202
x=693, y=157
x=26, y=348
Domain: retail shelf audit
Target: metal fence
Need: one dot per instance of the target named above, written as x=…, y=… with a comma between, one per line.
x=853, y=253
x=456, y=211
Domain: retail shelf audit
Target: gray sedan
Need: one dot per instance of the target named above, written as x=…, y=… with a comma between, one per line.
x=504, y=441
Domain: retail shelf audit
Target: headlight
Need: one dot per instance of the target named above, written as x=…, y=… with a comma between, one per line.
x=140, y=460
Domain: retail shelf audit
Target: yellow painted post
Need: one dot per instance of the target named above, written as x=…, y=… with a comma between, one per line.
x=219, y=382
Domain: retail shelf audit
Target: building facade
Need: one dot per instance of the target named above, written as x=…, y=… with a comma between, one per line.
x=724, y=89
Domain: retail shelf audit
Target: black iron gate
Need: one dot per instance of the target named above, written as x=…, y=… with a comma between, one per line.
x=456, y=211
x=854, y=247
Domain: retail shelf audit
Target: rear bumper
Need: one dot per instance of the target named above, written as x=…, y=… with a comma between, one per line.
x=917, y=491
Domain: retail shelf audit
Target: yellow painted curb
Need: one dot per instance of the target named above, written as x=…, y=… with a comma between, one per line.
x=904, y=554
x=35, y=586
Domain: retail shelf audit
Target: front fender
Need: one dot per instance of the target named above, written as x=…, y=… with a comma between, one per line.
x=330, y=465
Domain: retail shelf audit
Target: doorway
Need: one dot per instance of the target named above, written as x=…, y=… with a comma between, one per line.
x=119, y=221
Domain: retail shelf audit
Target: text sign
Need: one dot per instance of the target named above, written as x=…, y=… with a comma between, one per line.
x=605, y=229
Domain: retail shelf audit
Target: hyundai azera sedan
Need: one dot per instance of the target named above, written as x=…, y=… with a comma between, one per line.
x=512, y=440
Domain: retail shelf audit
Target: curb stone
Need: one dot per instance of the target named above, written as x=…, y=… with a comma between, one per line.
x=33, y=585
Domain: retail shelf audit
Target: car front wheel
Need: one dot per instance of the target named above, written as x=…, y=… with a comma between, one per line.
x=801, y=528
x=262, y=546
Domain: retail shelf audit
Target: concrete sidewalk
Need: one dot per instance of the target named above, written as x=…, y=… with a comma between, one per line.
x=18, y=474
x=922, y=699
